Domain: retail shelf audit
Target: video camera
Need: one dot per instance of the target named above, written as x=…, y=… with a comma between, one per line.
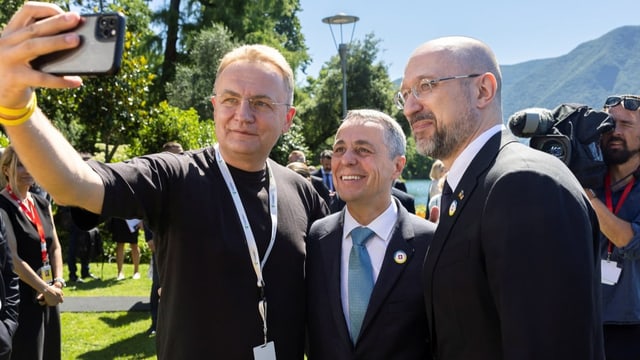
x=570, y=132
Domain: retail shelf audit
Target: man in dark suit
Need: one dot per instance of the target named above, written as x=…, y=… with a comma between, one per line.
x=298, y=163
x=513, y=270
x=322, y=190
x=386, y=318
x=324, y=172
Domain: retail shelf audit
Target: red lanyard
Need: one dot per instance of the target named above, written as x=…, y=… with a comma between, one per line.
x=609, y=200
x=33, y=216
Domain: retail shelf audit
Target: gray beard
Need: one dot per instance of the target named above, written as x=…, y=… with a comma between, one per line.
x=446, y=140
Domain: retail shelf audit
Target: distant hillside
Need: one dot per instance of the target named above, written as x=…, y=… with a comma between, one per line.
x=587, y=75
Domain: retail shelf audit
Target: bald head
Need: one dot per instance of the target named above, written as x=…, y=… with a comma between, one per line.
x=464, y=55
x=451, y=94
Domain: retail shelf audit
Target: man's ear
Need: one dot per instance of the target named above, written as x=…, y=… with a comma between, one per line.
x=289, y=120
x=487, y=89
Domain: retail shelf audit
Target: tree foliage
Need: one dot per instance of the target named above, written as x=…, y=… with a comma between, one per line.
x=105, y=109
x=270, y=22
x=193, y=83
x=368, y=86
x=168, y=123
x=9, y=7
x=417, y=166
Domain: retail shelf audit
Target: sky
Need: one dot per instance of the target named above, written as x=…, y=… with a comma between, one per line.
x=516, y=30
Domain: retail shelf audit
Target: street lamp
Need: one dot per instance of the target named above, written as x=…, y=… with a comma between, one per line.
x=342, y=19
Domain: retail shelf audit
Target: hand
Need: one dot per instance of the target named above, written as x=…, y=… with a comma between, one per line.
x=23, y=39
x=590, y=193
x=51, y=296
x=434, y=214
x=152, y=245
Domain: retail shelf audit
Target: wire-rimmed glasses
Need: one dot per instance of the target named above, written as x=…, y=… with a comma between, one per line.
x=258, y=104
x=424, y=85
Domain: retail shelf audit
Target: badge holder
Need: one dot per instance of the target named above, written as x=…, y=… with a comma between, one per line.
x=266, y=351
x=45, y=273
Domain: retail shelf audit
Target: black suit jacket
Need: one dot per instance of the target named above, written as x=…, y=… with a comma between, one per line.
x=320, y=175
x=407, y=200
x=513, y=272
x=395, y=325
x=321, y=189
x=9, y=294
x=400, y=185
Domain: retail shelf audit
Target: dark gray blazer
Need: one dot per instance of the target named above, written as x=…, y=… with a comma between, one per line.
x=395, y=325
x=514, y=272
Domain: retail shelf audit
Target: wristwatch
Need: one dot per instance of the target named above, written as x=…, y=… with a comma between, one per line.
x=590, y=193
x=61, y=281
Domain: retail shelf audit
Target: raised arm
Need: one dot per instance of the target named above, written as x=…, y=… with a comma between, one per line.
x=48, y=156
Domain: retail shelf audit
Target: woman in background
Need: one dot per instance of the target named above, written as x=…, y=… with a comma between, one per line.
x=437, y=172
x=37, y=259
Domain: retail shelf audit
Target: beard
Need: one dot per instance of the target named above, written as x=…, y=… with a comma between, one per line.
x=446, y=138
x=617, y=156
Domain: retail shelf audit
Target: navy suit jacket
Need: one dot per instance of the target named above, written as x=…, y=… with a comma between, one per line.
x=395, y=325
x=513, y=271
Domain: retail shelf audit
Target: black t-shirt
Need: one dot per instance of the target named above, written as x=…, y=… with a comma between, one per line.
x=209, y=304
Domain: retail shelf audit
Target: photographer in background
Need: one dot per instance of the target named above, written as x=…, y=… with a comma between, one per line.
x=617, y=205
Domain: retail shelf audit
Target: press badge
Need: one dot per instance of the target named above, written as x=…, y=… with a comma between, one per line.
x=265, y=352
x=45, y=274
x=610, y=272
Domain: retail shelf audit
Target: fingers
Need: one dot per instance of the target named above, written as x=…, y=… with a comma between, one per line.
x=434, y=216
x=56, y=296
x=36, y=29
x=30, y=12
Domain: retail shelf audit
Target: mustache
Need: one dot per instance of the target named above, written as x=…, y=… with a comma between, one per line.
x=421, y=116
x=616, y=138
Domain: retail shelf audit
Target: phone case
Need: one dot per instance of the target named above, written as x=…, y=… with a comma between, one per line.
x=99, y=52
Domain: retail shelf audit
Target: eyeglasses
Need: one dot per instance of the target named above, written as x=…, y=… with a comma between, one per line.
x=629, y=102
x=259, y=105
x=422, y=87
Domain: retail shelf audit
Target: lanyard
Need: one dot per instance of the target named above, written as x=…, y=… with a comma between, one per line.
x=33, y=216
x=609, y=202
x=248, y=234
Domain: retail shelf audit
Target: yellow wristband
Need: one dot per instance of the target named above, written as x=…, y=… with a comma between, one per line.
x=8, y=112
x=24, y=114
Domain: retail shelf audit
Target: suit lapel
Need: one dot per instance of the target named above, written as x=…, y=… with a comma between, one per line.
x=331, y=247
x=448, y=217
x=400, y=242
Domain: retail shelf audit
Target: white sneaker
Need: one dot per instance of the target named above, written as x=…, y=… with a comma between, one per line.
x=136, y=276
x=120, y=277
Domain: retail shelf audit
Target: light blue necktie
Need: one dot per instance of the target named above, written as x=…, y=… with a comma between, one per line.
x=360, y=279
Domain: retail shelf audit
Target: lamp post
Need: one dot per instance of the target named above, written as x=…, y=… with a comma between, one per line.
x=339, y=20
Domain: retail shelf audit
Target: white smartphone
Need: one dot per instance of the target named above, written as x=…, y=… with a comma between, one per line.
x=99, y=52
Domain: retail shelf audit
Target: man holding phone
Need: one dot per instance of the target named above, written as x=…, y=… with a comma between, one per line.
x=221, y=253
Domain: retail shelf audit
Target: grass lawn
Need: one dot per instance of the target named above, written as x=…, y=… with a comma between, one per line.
x=108, y=335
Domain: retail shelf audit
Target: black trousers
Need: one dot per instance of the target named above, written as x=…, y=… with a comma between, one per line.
x=622, y=342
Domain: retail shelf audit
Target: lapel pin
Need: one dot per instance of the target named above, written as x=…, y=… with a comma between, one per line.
x=400, y=257
x=453, y=207
x=461, y=195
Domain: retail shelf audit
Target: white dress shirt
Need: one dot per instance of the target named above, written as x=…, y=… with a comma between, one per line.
x=376, y=246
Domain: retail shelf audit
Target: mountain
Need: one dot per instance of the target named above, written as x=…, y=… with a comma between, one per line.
x=587, y=75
